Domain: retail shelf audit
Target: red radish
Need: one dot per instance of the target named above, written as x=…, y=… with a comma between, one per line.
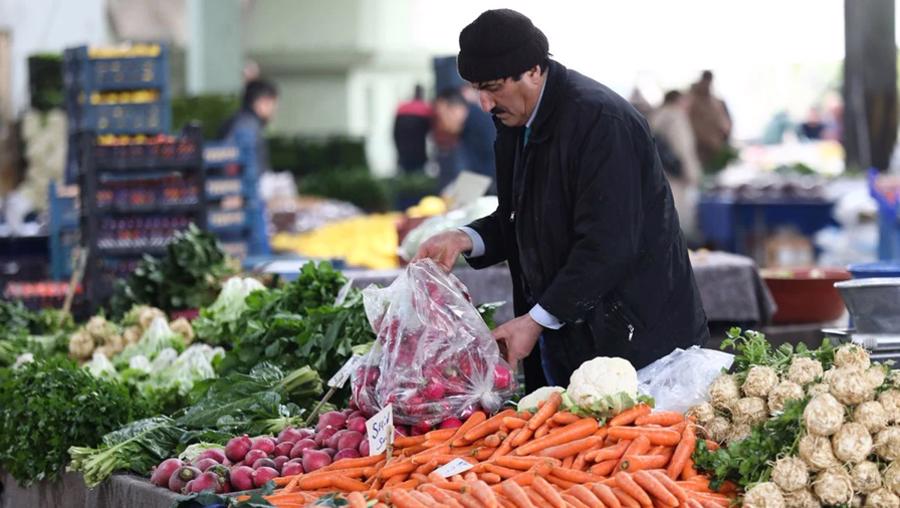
x=292, y=468
x=237, y=448
x=263, y=443
x=451, y=423
x=206, y=481
x=401, y=430
x=290, y=434
x=364, y=448
x=254, y=455
x=329, y=451
x=355, y=414
x=264, y=463
x=433, y=391
x=297, y=450
x=181, y=477
x=357, y=424
x=314, y=460
x=216, y=454
x=323, y=435
x=502, y=377
x=280, y=462
x=204, y=464
x=163, y=472
x=242, y=478
x=349, y=440
x=421, y=428
x=334, y=419
x=262, y=475
x=332, y=442
x=346, y=412
x=220, y=470
x=346, y=453
x=283, y=448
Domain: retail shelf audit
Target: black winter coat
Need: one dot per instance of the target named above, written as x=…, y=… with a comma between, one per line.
x=587, y=224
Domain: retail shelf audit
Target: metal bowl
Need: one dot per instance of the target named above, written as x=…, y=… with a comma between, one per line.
x=874, y=304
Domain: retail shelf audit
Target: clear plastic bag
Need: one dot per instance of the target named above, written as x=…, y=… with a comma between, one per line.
x=434, y=357
x=679, y=380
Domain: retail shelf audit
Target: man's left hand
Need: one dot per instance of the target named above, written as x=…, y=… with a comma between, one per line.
x=519, y=336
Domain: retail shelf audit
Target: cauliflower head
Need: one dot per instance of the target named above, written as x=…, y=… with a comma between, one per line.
x=605, y=385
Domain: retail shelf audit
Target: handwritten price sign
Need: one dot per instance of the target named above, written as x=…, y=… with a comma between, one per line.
x=380, y=430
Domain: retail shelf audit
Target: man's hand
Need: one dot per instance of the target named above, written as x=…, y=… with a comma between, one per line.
x=519, y=337
x=445, y=248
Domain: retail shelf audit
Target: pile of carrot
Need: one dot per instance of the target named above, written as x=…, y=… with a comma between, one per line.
x=552, y=458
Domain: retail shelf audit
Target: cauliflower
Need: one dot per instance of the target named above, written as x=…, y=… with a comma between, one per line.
x=530, y=401
x=604, y=384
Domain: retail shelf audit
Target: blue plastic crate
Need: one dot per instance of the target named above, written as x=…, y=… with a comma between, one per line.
x=123, y=73
x=143, y=118
x=217, y=154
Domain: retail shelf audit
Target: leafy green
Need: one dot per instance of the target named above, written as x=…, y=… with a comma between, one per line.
x=156, y=339
x=487, y=311
x=607, y=407
x=218, y=322
x=750, y=460
x=51, y=405
x=751, y=348
x=136, y=447
x=186, y=277
x=256, y=499
x=41, y=333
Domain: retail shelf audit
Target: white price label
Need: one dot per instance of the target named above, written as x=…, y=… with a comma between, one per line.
x=380, y=430
x=454, y=467
x=339, y=379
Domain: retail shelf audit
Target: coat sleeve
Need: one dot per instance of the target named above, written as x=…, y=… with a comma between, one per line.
x=607, y=221
x=489, y=228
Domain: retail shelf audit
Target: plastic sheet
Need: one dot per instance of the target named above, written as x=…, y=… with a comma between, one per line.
x=679, y=380
x=434, y=357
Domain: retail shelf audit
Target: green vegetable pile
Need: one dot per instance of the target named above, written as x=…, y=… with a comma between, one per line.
x=23, y=331
x=51, y=405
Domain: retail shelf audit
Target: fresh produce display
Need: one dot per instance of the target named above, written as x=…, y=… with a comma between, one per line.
x=48, y=406
x=434, y=357
x=25, y=334
x=140, y=231
x=808, y=427
x=219, y=322
x=138, y=193
x=547, y=458
x=187, y=277
x=109, y=339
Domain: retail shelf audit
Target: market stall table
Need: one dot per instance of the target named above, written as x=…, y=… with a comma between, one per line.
x=70, y=492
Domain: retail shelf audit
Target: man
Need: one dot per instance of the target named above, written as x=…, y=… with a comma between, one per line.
x=258, y=105
x=473, y=133
x=710, y=121
x=411, y=125
x=585, y=217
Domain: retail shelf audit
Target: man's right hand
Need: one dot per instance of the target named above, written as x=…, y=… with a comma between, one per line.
x=445, y=248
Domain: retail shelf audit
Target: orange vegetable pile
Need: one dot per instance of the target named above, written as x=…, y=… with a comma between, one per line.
x=552, y=458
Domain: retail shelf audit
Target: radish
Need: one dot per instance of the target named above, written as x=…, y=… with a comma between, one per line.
x=263, y=475
x=357, y=424
x=264, y=463
x=242, y=478
x=349, y=440
x=220, y=470
x=451, y=423
x=280, y=461
x=332, y=442
x=254, y=455
x=206, y=481
x=303, y=444
x=364, y=448
x=163, y=472
x=502, y=377
x=290, y=434
x=401, y=430
x=314, y=460
x=346, y=453
x=237, y=448
x=324, y=435
x=204, y=464
x=216, y=454
x=333, y=419
x=283, y=448
x=329, y=451
x=433, y=391
x=355, y=414
x=181, y=477
x=263, y=443
x=292, y=468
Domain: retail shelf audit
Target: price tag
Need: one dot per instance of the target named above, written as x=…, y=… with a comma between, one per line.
x=454, y=467
x=380, y=430
x=339, y=379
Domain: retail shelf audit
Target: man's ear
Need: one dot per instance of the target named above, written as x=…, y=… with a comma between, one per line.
x=535, y=73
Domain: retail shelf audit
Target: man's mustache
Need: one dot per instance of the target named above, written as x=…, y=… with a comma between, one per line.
x=496, y=110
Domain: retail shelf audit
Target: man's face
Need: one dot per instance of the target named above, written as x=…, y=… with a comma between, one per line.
x=509, y=100
x=265, y=107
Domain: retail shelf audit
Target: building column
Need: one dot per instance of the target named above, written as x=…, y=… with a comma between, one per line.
x=214, y=46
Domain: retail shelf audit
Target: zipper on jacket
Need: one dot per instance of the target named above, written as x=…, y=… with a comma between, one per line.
x=617, y=307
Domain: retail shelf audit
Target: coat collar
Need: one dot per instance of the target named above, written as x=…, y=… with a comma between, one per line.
x=542, y=126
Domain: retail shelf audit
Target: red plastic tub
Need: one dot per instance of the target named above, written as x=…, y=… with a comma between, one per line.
x=805, y=295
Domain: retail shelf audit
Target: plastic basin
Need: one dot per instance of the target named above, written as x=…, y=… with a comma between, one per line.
x=805, y=295
x=879, y=270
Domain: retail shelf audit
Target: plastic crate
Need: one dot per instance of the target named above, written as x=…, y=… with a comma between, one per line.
x=219, y=153
x=139, y=118
x=120, y=73
x=223, y=221
x=180, y=152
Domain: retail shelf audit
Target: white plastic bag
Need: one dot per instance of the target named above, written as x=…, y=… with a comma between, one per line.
x=679, y=380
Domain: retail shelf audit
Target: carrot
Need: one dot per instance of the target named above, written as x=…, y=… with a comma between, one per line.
x=512, y=422
x=469, y=501
x=503, y=472
x=569, y=449
x=689, y=471
x=573, y=501
x=711, y=445
x=440, y=435
x=565, y=418
x=488, y=426
x=546, y=491
x=615, y=451
x=626, y=482
x=494, y=440
x=638, y=447
x=664, y=418
x=507, y=445
x=491, y=478
x=440, y=495
x=656, y=489
x=542, y=431
x=427, y=467
x=693, y=486
x=523, y=437
x=580, y=429
x=313, y=482
x=568, y=461
x=483, y=453
x=693, y=503
x=704, y=498
x=574, y=476
x=579, y=463
x=534, y=497
x=483, y=493
x=473, y=420
x=626, y=500
x=606, y=495
x=351, y=463
x=546, y=410
x=656, y=435
x=682, y=453
x=402, y=499
x=587, y=497
x=341, y=482
x=407, y=441
x=670, y=485
x=628, y=416
x=604, y=468
x=559, y=482
x=633, y=463
x=517, y=495
x=397, y=468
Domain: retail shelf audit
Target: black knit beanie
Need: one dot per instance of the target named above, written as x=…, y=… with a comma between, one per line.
x=498, y=44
